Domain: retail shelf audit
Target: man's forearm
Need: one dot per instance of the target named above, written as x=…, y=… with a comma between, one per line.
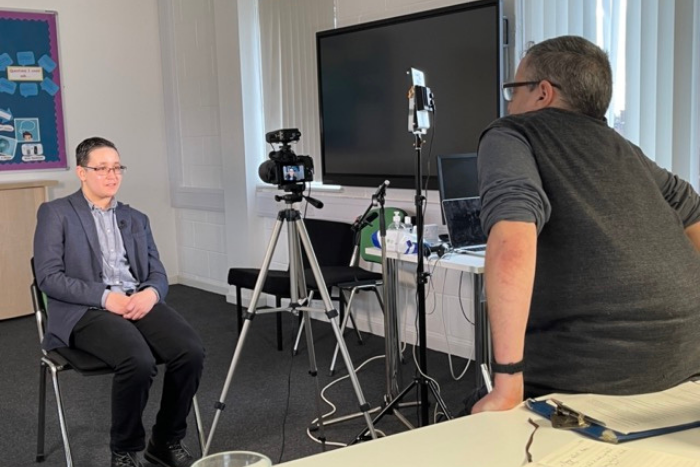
x=510, y=273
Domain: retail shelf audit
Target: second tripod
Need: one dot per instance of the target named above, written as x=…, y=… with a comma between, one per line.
x=297, y=237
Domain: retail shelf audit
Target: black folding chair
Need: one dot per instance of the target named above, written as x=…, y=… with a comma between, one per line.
x=333, y=244
x=64, y=359
x=339, y=261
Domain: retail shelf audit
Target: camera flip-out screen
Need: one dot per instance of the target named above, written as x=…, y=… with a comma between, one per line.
x=292, y=173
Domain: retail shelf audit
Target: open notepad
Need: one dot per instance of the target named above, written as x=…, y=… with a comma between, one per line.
x=622, y=418
x=587, y=453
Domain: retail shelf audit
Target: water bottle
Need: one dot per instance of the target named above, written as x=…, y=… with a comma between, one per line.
x=394, y=233
x=408, y=225
x=410, y=237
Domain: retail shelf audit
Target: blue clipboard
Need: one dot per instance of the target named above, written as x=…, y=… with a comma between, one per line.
x=602, y=433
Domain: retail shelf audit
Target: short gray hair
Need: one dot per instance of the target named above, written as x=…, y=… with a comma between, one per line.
x=579, y=67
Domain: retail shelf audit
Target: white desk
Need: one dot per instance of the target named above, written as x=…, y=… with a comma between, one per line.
x=488, y=439
x=470, y=264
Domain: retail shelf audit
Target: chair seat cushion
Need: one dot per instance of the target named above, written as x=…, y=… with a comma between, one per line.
x=276, y=282
x=80, y=361
x=336, y=275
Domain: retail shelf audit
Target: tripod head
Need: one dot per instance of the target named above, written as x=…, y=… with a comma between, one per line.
x=295, y=194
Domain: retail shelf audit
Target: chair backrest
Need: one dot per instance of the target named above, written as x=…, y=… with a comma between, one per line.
x=367, y=232
x=39, y=301
x=332, y=242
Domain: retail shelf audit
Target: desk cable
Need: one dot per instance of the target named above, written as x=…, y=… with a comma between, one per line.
x=444, y=325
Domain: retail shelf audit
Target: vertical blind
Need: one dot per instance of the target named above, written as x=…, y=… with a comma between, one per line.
x=288, y=56
x=654, y=48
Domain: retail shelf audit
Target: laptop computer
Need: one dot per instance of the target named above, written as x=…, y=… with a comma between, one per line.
x=464, y=226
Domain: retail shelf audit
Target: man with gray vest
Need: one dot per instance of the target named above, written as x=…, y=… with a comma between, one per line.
x=592, y=264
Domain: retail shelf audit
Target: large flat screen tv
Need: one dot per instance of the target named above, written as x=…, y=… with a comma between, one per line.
x=363, y=87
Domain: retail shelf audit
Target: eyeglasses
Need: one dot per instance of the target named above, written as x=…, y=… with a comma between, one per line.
x=508, y=88
x=103, y=171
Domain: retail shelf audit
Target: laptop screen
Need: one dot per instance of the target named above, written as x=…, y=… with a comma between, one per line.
x=463, y=224
x=457, y=176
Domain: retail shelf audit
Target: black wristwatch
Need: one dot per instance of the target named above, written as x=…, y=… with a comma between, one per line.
x=509, y=368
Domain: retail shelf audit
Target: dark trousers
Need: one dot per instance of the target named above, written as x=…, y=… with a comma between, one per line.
x=133, y=348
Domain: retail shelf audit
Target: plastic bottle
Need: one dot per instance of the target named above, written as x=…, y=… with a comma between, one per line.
x=395, y=233
x=396, y=224
x=408, y=225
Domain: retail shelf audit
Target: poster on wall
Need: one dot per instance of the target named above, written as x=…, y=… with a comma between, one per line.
x=32, y=134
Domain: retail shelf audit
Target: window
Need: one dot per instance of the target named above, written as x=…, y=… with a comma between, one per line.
x=653, y=47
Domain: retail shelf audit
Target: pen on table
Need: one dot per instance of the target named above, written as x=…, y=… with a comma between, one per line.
x=487, y=377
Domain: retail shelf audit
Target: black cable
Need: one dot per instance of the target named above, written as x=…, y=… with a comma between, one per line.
x=286, y=408
x=306, y=206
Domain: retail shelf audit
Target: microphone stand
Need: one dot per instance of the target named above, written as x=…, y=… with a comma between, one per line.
x=392, y=350
x=391, y=342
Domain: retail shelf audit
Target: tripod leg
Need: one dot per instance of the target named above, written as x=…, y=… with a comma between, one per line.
x=299, y=295
x=298, y=339
x=249, y=315
x=343, y=325
x=438, y=398
x=313, y=371
x=390, y=407
x=332, y=315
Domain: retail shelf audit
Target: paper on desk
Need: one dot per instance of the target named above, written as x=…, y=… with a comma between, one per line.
x=631, y=414
x=588, y=453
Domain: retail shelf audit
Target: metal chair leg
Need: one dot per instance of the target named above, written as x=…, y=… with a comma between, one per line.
x=352, y=317
x=61, y=415
x=41, y=425
x=239, y=308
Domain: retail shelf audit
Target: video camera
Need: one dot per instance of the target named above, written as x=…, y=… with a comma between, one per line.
x=285, y=167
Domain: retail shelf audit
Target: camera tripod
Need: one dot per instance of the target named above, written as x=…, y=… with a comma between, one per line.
x=296, y=233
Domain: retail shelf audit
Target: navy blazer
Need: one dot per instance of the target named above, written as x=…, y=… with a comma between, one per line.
x=68, y=261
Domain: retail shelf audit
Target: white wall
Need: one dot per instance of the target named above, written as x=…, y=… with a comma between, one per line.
x=113, y=87
x=213, y=127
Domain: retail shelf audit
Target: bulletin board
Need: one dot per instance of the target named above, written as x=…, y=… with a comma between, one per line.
x=32, y=133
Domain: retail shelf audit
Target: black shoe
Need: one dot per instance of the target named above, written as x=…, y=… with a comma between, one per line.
x=125, y=459
x=173, y=454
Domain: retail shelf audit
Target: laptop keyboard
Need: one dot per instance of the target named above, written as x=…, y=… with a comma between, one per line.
x=470, y=249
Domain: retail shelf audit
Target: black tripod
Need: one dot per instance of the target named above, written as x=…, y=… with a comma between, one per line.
x=296, y=233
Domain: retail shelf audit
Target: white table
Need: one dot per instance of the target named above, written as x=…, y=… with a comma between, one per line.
x=470, y=264
x=492, y=439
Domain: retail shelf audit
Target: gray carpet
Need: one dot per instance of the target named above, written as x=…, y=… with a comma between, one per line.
x=270, y=403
